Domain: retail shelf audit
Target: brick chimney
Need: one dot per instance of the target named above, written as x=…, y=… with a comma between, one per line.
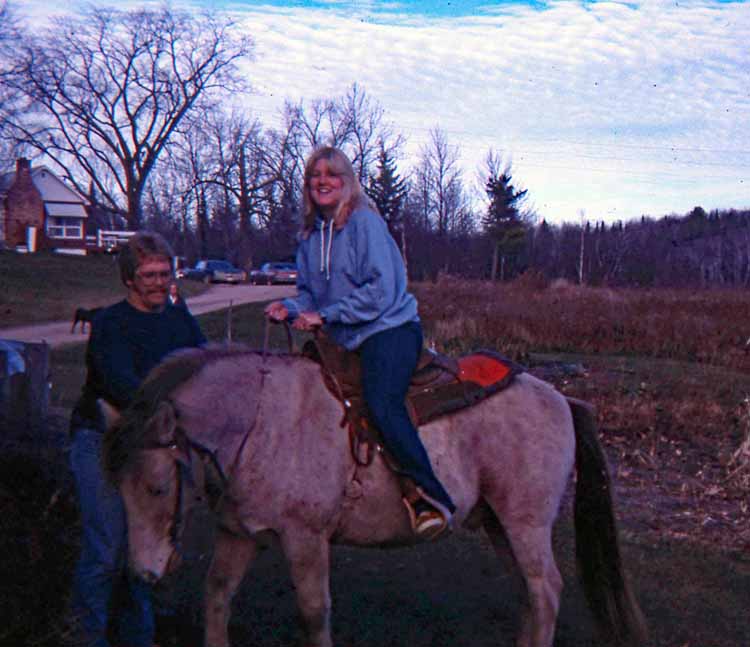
x=23, y=166
x=25, y=207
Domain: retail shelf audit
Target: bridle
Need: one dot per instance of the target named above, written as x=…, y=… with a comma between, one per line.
x=194, y=471
x=191, y=472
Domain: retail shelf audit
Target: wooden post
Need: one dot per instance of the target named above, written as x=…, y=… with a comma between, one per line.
x=37, y=380
x=228, y=336
x=24, y=396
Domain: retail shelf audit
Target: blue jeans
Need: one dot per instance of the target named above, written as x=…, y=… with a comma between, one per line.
x=388, y=362
x=101, y=578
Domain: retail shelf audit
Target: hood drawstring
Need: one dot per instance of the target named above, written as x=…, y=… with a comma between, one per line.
x=325, y=250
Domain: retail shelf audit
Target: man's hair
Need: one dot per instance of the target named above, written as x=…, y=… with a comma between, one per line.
x=353, y=194
x=143, y=245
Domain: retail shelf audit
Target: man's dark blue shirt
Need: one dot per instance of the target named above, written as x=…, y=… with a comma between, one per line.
x=124, y=345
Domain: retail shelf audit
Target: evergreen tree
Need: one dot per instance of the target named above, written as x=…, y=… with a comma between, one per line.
x=503, y=221
x=388, y=190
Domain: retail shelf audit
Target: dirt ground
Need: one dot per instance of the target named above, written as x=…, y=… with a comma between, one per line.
x=686, y=541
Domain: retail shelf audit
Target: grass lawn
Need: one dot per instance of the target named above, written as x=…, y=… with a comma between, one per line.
x=42, y=287
x=247, y=326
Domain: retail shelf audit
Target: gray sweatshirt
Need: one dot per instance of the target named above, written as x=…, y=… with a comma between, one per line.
x=354, y=277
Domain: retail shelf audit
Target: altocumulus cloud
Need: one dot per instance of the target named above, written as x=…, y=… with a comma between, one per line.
x=619, y=109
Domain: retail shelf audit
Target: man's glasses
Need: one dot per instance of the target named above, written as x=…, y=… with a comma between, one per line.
x=153, y=277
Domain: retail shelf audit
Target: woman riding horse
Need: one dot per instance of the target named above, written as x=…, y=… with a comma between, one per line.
x=352, y=280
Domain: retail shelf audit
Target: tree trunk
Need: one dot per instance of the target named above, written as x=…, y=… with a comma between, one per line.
x=580, y=259
x=403, y=252
x=134, y=215
x=201, y=216
x=495, y=257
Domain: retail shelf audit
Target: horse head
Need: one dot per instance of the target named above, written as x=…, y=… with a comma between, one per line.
x=159, y=487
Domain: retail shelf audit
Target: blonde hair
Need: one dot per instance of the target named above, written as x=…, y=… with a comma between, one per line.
x=353, y=194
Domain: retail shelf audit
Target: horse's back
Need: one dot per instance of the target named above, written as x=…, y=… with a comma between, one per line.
x=516, y=450
x=521, y=445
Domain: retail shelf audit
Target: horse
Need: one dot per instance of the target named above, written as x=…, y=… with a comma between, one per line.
x=264, y=434
x=84, y=316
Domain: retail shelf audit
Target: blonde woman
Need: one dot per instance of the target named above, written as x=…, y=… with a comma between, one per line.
x=352, y=280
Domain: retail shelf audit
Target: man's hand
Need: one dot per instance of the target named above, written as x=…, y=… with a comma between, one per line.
x=276, y=311
x=308, y=321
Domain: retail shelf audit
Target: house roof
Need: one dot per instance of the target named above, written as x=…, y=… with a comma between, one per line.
x=65, y=209
x=50, y=186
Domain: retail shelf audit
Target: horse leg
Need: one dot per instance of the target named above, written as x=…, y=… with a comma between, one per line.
x=499, y=540
x=308, y=556
x=532, y=548
x=232, y=555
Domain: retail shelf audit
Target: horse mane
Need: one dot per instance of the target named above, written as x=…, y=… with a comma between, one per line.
x=130, y=433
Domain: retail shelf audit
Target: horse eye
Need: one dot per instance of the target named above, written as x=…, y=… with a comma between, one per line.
x=156, y=491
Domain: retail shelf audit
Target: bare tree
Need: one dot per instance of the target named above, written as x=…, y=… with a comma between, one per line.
x=10, y=99
x=320, y=122
x=368, y=132
x=438, y=217
x=106, y=91
x=439, y=179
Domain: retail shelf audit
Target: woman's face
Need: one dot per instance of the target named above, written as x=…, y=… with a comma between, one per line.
x=326, y=189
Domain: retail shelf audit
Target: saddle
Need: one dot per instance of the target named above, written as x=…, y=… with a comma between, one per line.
x=439, y=385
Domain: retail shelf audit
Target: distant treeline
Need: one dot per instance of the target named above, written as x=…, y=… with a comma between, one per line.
x=699, y=249
x=147, y=113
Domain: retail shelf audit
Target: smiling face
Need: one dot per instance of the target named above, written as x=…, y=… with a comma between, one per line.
x=326, y=187
x=147, y=291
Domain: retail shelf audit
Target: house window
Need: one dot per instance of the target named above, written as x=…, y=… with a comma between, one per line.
x=59, y=227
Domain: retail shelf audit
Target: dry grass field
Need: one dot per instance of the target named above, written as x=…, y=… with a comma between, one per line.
x=669, y=374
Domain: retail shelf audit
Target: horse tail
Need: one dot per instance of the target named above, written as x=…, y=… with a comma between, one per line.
x=604, y=580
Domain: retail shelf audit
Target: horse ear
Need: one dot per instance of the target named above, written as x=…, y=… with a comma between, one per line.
x=108, y=413
x=163, y=424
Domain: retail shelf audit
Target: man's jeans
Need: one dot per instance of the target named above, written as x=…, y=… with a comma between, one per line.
x=388, y=361
x=100, y=572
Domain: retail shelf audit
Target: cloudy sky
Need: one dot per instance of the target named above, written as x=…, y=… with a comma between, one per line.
x=613, y=109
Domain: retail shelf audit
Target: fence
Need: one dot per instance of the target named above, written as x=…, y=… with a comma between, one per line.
x=108, y=240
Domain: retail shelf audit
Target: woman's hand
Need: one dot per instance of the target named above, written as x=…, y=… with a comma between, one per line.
x=276, y=311
x=308, y=321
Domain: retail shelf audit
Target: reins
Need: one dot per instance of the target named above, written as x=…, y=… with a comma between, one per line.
x=182, y=440
x=263, y=372
x=267, y=337
x=197, y=481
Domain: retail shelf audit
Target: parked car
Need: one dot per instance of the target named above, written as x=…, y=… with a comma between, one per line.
x=214, y=271
x=274, y=274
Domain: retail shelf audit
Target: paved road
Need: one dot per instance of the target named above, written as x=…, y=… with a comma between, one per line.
x=216, y=297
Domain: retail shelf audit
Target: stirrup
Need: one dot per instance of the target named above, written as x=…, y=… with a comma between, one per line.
x=430, y=524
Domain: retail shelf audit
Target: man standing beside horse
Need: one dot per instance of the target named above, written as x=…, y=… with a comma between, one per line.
x=127, y=340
